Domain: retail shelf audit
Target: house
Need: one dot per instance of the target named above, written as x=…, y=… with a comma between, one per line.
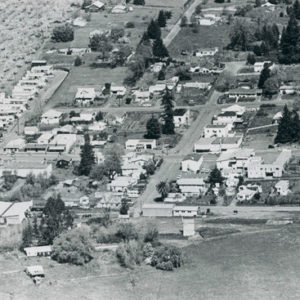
x=83, y=119
x=157, y=67
x=217, y=131
x=192, y=186
x=277, y=117
x=62, y=143
x=121, y=184
x=85, y=96
x=258, y=66
x=205, y=21
x=64, y=161
x=239, y=110
x=45, y=138
x=97, y=126
x=157, y=89
x=38, y=251
x=141, y=144
x=34, y=271
x=174, y=198
x=51, y=117
x=158, y=210
x=15, y=145
x=96, y=6
x=185, y=211
x=271, y=166
x=115, y=118
x=288, y=89
x=34, y=147
x=241, y=94
x=269, y=6
x=31, y=130
x=23, y=92
x=225, y=118
x=119, y=9
x=196, y=85
x=234, y=162
x=14, y=213
x=192, y=162
x=141, y=96
x=181, y=117
x=282, y=187
x=244, y=193
x=118, y=90
x=206, y=52
x=23, y=169
x=46, y=70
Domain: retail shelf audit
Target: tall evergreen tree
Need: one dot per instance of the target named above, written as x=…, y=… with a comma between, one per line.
x=27, y=236
x=153, y=128
x=285, y=131
x=264, y=75
x=162, y=20
x=295, y=126
x=296, y=9
x=167, y=102
x=87, y=157
x=159, y=49
x=153, y=30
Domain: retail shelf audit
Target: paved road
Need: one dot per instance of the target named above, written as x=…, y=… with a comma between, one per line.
x=176, y=28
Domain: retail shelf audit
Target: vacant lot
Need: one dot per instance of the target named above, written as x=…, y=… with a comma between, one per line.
x=252, y=266
x=207, y=36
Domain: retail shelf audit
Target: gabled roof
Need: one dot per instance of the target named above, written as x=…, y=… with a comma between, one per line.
x=179, y=112
x=85, y=93
x=98, y=4
x=52, y=113
x=194, y=157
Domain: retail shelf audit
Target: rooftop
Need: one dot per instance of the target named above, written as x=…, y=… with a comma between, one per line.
x=179, y=112
x=227, y=140
x=190, y=181
x=193, y=156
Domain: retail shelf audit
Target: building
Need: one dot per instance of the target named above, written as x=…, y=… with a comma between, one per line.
x=181, y=117
x=141, y=96
x=192, y=186
x=258, y=66
x=241, y=94
x=14, y=146
x=288, y=89
x=96, y=6
x=45, y=138
x=158, y=210
x=23, y=169
x=188, y=226
x=282, y=187
x=141, y=144
x=62, y=143
x=14, y=213
x=234, y=162
x=118, y=90
x=121, y=184
x=31, y=130
x=157, y=89
x=38, y=251
x=185, y=211
x=119, y=9
x=34, y=271
x=192, y=162
x=217, y=131
x=272, y=166
x=174, y=198
x=227, y=117
x=85, y=96
x=206, y=52
x=245, y=194
x=51, y=117
x=239, y=110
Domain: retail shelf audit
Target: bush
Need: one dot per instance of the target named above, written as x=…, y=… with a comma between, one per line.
x=64, y=33
x=151, y=234
x=130, y=254
x=148, y=250
x=105, y=235
x=130, y=25
x=78, y=61
x=74, y=246
x=127, y=232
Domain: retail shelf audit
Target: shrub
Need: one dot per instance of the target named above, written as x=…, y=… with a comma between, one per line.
x=129, y=254
x=127, y=232
x=130, y=25
x=148, y=250
x=151, y=234
x=73, y=247
x=78, y=61
x=64, y=33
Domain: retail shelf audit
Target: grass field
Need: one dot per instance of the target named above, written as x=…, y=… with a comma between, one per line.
x=261, y=265
x=207, y=36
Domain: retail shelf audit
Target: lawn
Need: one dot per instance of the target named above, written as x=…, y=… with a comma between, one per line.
x=207, y=36
x=261, y=265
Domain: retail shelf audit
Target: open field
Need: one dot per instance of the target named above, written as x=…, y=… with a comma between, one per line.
x=260, y=265
x=207, y=36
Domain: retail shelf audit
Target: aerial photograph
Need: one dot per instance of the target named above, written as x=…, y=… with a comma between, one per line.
x=149, y=149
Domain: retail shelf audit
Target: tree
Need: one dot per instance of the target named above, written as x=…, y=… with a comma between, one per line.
x=153, y=30
x=251, y=59
x=56, y=218
x=257, y=3
x=130, y=254
x=112, y=165
x=264, y=75
x=168, y=116
x=271, y=86
x=64, y=33
x=184, y=21
x=296, y=9
x=161, y=20
x=87, y=157
x=27, y=236
x=86, y=3
x=99, y=116
x=159, y=49
x=163, y=189
x=151, y=234
x=161, y=75
x=198, y=9
x=285, y=131
x=74, y=246
x=100, y=43
x=126, y=232
x=139, y=2
x=215, y=176
x=153, y=128
x=78, y=61
x=98, y=172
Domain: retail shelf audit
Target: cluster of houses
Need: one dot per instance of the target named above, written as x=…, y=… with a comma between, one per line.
x=26, y=89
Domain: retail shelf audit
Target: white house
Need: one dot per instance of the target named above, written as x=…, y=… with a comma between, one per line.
x=277, y=117
x=282, y=187
x=185, y=211
x=245, y=193
x=158, y=210
x=258, y=66
x=217, y=130
x=38, y=251
x=244, y=94
x=239, y=110
x=227, y=117
x=141, y=96
x=157, y=89
x=288, y=89
x=45, y=138
x=62, y=143
x=14, y=145
x=118, y=90
x=51, y=117
x=269, y=167
x=192, y=186
x=140, y=144
x=174, y=198
x=206, y=52
x=13, y=213
x=96, y=6
x=119, y=9
x=121, y=184
x=181, y=116
x=192, y=162
x=157, y=67
x=85, y=96
x=31, y=130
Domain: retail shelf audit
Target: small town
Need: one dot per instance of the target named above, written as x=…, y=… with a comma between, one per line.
x=149, y=149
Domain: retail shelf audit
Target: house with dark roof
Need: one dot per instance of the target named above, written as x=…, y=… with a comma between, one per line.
x=181, y=117
x=192, y=162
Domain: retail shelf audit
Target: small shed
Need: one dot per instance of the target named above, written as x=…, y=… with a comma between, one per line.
x=34, y=271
